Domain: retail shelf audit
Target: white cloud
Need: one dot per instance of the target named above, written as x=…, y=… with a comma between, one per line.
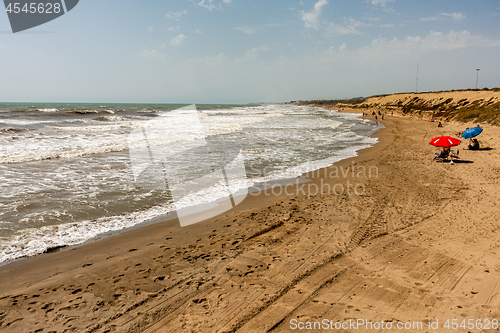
x=382, y=3
x=254, y=52
x=247, y=30
x=150, y=29
x=311, y=19
x=354, y=23
x=209, y=5
x=383, y=51
x=197, y=31
x=335, y=29
x=151, y=55
x=177, y=40
x=429, y=19
x=176, y=16
x=251, y=30
x=455, y=16
x=434, y=41
x=348, y=29
x=173, y=28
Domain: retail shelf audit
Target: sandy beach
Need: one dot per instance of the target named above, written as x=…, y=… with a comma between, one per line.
x=401, y=240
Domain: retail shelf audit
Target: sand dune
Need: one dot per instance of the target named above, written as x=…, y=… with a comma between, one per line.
x=482, y=106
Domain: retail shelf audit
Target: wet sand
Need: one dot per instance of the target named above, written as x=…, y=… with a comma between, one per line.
x=413, y=241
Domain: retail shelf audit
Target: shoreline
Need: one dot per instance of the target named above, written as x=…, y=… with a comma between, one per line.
x=172, y=215
x=418, y=245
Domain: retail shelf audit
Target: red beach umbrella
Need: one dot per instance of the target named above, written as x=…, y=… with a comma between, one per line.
x=445, y=141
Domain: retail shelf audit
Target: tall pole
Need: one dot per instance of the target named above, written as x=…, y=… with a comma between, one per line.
x=416, y=85
x=477, y=76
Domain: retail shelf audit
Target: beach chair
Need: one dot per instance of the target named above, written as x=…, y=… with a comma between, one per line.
x=454, y=155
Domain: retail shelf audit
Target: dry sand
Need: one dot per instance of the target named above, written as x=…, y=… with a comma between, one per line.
x=421, y=244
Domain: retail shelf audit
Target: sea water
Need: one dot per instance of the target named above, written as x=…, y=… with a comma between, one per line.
x=66, y=174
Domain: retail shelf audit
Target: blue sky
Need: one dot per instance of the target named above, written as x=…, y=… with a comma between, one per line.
x=236, y=51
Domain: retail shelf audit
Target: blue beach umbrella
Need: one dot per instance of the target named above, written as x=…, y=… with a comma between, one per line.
x=471, y=132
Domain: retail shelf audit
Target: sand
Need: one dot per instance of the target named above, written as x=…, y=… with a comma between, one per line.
x=416, y=243
x=432, y=98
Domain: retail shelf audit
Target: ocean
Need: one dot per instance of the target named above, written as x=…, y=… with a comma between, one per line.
x=72, y=172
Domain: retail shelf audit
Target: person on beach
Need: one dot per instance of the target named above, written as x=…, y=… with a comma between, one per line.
x=440, y=125
x=473, y=145
x=445, y=152
x=459, y=134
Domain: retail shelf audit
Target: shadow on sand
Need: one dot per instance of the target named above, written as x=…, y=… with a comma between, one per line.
x=455, y=161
